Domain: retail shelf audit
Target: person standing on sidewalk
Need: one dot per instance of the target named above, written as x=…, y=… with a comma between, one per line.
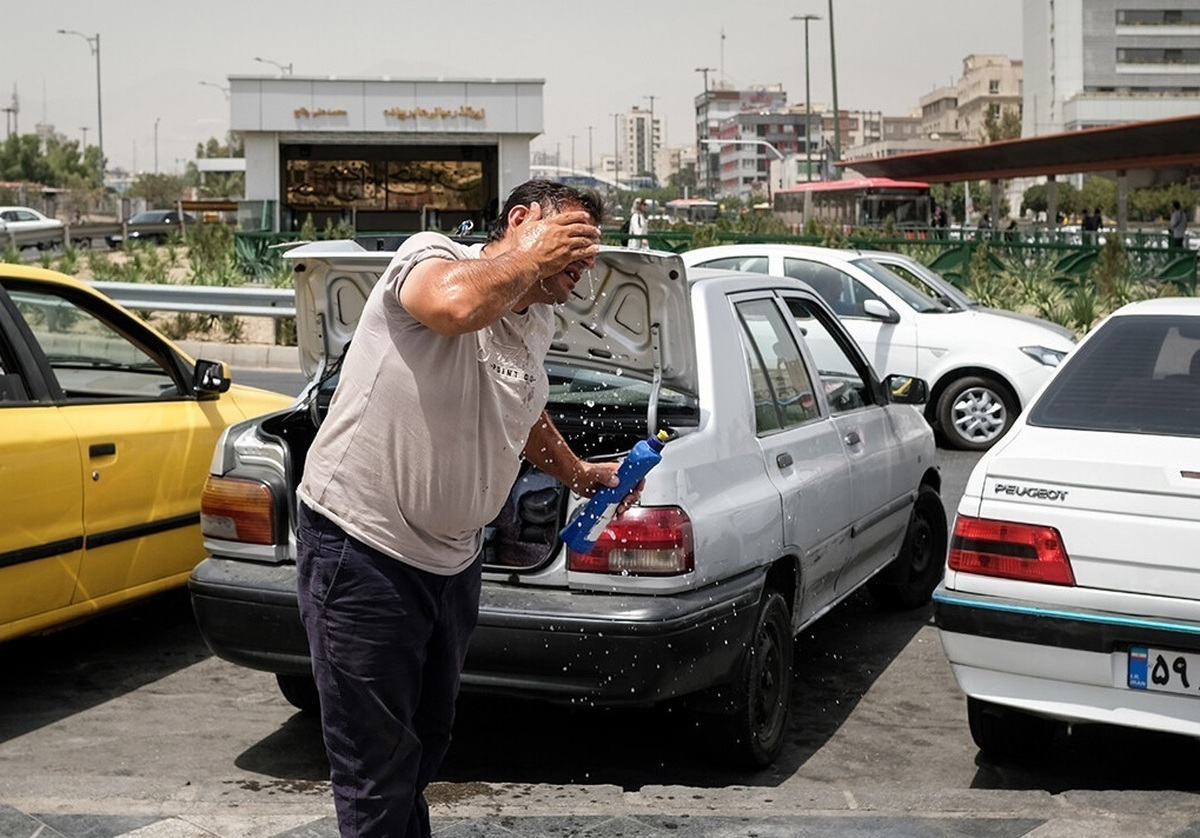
x=442, y=392
x=1177, y=226
x=638, y=226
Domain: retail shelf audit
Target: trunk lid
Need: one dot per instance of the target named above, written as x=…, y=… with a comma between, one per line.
x=1127, y=505
x=631, y=314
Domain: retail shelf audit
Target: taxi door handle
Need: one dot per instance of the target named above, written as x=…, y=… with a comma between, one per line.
x=102, y=449
x=783, y=460
x=852, y=438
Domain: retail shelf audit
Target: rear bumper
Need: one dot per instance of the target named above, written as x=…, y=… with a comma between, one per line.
x=1063, y=664
x=612, y=649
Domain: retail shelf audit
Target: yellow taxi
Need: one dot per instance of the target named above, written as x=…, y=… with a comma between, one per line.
x=107, y=431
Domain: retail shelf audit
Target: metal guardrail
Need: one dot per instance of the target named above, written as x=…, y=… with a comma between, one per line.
x=241, y=301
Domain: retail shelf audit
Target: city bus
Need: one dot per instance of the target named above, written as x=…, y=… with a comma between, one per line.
x=692, y=210
x=857, y=202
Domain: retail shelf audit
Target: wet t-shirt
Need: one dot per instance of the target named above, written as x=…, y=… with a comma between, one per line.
x=424, y=433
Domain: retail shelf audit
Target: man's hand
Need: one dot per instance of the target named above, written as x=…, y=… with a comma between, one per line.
x=590, y=478
x=553, y=242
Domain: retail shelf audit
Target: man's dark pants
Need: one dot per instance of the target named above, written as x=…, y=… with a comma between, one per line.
x=388, y=643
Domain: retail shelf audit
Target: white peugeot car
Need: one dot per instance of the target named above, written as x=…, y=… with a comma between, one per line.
x=1072, y=592
x=28, y=227
x=982, y=368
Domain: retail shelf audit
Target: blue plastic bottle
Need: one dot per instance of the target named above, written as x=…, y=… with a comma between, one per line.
x=589, y=522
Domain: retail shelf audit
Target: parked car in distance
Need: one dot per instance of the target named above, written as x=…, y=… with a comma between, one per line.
x=982, y=368
x=155, y=226
x=930, y=282
x=792, y=477
x=106, y=432
x=29, y=228
x=1072, y=587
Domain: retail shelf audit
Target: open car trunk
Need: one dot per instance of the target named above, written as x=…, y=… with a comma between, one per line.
x=622, y=365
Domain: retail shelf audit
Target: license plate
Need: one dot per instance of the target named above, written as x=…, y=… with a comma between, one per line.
x=1164, y=670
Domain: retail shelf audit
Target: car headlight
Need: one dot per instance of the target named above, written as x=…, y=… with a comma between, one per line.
x=1045, y=355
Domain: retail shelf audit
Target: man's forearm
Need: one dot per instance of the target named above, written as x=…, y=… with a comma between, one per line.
x=547, y=450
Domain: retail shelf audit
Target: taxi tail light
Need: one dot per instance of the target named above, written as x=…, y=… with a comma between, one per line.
x=1009, y=550
x=644, y=541
x=237, y=510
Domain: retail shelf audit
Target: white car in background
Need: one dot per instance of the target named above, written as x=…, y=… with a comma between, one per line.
x=29, y=228
x=1072, y=592
x=982, y=368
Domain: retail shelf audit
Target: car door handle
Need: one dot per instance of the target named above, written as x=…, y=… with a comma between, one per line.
x=783, y=460
x=102, y=449
x=852, y=438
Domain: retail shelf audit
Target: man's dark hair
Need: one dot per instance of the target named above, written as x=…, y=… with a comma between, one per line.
x=553, y=197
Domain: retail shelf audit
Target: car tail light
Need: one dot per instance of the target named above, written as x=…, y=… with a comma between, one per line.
x=237, y=510
x=644, y=541
x=1013, y=551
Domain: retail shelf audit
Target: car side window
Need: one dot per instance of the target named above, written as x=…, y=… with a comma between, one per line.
x=89, y=357
x=844, y=293
x=749, y=264
x=779, y=380
x=843, y=375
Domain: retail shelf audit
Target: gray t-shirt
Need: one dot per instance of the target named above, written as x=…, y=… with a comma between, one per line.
x=424, y=433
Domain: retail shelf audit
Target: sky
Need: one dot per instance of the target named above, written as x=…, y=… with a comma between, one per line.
x=162, y=64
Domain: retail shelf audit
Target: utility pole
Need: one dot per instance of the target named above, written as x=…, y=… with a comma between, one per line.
x=807, y=18
x=591, y=167
x=93, y=43
x=572, y=155
x=616, y=151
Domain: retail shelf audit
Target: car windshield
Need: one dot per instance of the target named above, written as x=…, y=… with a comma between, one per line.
x=928, y=282
x=898, y=286
x=1134, y=375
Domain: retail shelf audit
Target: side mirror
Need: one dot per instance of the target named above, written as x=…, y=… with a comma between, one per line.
x=905, y=389
x=880, y=311
x=210, y=377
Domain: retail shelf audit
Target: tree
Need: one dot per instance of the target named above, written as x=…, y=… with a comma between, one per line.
x=1006, y=127
x=25, y=157
x=159, y=191
x=217, y=184
x=1035, y=199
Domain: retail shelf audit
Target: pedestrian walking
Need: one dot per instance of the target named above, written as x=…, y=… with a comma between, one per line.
x=442, y=392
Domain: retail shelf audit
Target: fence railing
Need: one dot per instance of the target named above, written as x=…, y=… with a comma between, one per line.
x=240, y=301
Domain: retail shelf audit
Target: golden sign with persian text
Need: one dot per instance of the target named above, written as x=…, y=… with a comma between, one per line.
x=305, y=113
x=436, y=113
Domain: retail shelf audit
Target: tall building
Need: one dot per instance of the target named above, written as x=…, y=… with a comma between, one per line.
x=641, y=138
x=1090, y=63
x=989, y=84
x=713, y=108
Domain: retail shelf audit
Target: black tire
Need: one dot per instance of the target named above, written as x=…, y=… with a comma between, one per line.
x=753, y=734
x=973, y=412
x=908, y=582
x=300, y=692
x=1004, y=734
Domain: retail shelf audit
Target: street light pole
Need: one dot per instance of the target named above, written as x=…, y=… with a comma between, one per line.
x=837, y=115
x=591, y=167
x=807, y=98
x=745, y=141
x=219, y=87
x=285, y=69
x=156, y=119
x=93, y=43
x=572, y=155
x=616, y=151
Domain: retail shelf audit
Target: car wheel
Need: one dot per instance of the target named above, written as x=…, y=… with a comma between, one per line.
x=973, y=412
x=300, y=692
x=753, y=734
x=908, y=582
x=1003, y=733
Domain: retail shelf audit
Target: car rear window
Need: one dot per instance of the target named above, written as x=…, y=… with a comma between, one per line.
x=1138, y=374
